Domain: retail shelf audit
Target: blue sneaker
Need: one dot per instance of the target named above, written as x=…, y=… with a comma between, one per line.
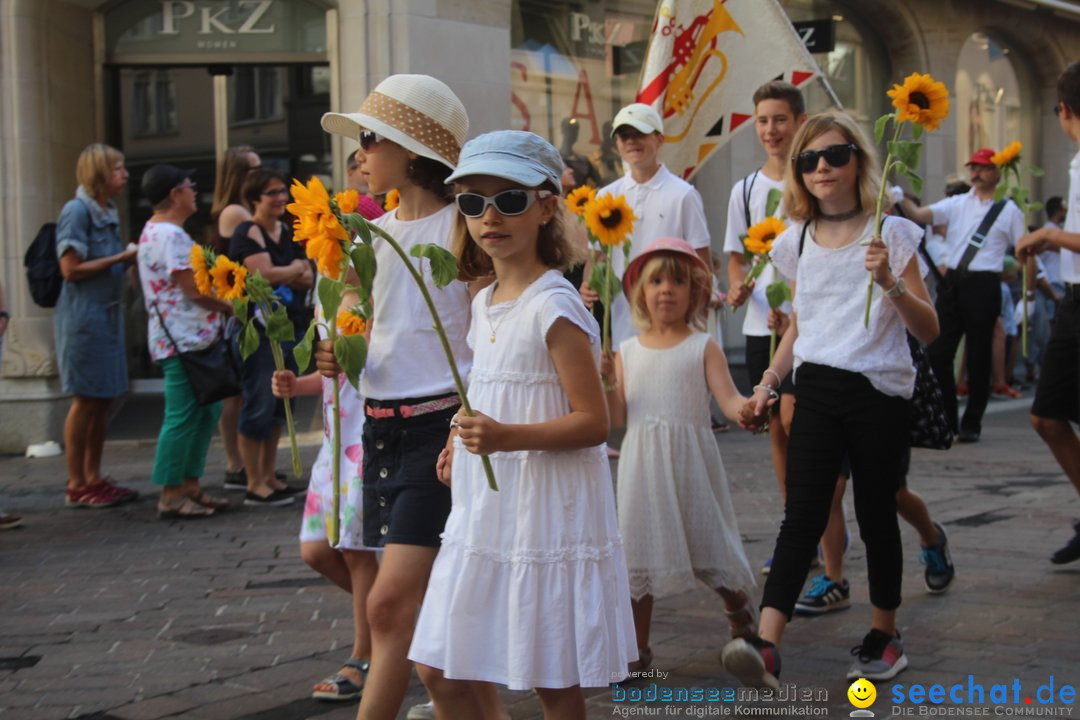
x=939, y=568
x=824, y=596
x=767, y=566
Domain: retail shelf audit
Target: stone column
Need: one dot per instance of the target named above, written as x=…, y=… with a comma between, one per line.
x=47, y=117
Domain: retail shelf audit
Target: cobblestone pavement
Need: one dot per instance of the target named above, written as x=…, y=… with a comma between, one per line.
x=115, y=614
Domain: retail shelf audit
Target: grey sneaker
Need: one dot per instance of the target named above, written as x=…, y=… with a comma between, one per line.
x=423, y=711
x=939, y=568
x=879, y=657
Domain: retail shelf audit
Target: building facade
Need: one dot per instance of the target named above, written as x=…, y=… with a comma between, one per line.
x=182, y=80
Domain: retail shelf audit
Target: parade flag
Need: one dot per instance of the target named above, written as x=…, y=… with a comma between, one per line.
x=705, y=60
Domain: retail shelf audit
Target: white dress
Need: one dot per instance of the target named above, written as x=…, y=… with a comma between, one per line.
x=529, y=588
x=675, y=509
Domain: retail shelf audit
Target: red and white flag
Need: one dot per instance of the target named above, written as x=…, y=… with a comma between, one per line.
x=705, y=60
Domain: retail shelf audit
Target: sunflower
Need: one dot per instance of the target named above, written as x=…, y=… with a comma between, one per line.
x=312, y=199
x=327, y=253
x=347, y=201
x=921, y=100
x=229, y=279
x=579, y=198
x=760, y=236
x=393, y=199
x=349, y=323
x=198, y=268
x=1008, y=155
x=610, y=219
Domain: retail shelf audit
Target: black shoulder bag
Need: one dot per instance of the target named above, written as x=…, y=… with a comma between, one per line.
x=975, y=242
x=212, y=372
x=930, y=426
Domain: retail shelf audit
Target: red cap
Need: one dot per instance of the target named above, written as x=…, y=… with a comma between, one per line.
x=981, y=157
x=657, y=246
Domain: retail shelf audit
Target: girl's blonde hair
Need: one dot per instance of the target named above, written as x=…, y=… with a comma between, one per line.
x=554, y=246
x=231, y=172
x=94, y=167
x=799, y=204
x=679, y=267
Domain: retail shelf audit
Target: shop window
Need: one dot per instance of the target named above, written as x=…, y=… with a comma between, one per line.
x=256, y=95
x=154, y=103
x=988, y=98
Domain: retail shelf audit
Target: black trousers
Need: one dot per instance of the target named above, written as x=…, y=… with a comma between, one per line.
x=839, y=413
x=968, y=305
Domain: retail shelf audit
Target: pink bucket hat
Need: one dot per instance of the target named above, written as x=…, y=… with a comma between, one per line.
x=674, y=245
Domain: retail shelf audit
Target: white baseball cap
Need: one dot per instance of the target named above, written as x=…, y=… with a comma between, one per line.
x=639, y=116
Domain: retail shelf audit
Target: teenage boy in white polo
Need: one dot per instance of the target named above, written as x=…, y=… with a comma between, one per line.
x=969, y=297
x=663, y=203
x=1057, y=397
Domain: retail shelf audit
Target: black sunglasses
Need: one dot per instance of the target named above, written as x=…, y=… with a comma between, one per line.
x=835, y=155
x=507, y=202
x=369, y=138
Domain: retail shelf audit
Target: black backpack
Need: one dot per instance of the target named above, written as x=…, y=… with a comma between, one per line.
x=43, y=268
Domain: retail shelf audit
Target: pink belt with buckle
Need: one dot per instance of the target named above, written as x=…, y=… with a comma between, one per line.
x=408, y=411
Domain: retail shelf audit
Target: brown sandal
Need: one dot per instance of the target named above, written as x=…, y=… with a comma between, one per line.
x=209, y=501
x=742, y=620
x=188, y=509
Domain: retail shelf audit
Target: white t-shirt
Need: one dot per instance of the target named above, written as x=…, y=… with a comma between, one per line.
x=963, y=214
x=756, y=321
x=1051, y=260
x=164, y=249
x=664, y=205
x=405, y=358
x=830, y=299
x=1070, y=261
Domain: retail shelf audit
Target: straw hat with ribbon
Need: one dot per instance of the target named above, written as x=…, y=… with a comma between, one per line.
x=417, y=112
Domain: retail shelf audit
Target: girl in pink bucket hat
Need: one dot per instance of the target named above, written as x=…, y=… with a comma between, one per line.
x=676, y=516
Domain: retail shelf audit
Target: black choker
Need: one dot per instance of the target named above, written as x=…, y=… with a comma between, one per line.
x=841, y=217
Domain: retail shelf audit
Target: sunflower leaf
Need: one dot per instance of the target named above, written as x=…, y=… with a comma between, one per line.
x=916, y=131
x=278, y=325
x=1000, y=192
x=240, y=310
x=596, y=279
x=249, y=340
x=302, y=350
x=1035, y=207
x=879, y=127
x=772, y=201
x=350, y=351
x=363, y=260
x=1035, y=171
x=913, y=178
x=329, y=296
x=359, y=225
x=444, y=267
x=777, y=293
x=906, y=151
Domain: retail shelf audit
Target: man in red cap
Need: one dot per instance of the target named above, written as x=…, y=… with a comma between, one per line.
x=969, y=298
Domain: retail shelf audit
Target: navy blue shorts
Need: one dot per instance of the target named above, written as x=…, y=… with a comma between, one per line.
x=404, y=502
x=261, y=411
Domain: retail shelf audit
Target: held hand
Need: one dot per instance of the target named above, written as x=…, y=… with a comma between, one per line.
x=1031, y=244
x=740, y=293
x=607, y=367
x=479, y=434
x=877, y=262
x=588, y=295
x=283, y=383
x=444, y=463
x=129, y=253
x=779, y=321
x=325, y=362
x=751, y=419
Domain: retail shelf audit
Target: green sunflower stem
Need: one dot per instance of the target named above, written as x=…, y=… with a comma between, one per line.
x=279, y=364
x=606, y=338
x=1024, y=329
x=437, y=324
x=335, y=445
x=879, y=216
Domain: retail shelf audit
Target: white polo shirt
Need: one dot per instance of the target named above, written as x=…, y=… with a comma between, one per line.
x=405, y=358
x=664, y=205
x=963, y=214
x=756, y=322
x=1070, y=261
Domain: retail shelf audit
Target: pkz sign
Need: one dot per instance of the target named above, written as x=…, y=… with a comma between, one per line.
x=195, y=31
x=819, y=36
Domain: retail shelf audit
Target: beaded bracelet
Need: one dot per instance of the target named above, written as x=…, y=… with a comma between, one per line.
x=772, y=393
x=772, y=372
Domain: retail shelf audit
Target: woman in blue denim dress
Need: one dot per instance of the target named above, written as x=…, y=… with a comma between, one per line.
x=89, y=321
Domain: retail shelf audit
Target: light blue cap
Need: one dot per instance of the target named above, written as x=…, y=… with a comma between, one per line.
x=515, y=155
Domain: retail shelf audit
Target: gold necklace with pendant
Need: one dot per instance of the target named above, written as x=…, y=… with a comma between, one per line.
x=495, y=326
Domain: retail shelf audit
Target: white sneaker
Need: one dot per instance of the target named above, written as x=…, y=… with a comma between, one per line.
x=423, y=711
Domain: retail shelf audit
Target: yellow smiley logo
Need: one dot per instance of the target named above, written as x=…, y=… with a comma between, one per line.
x=862, y=693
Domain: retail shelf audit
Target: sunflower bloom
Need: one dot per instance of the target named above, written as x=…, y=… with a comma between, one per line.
x=198, y=268
x=229, y=279
x=610, y=220
x=760, y=236
x=328, y=254
x=312, y=199
x=577, y=200
x=921, y=100
x=393, y=199
x=347, y=201
x=1008, y=155
x=349, y=323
